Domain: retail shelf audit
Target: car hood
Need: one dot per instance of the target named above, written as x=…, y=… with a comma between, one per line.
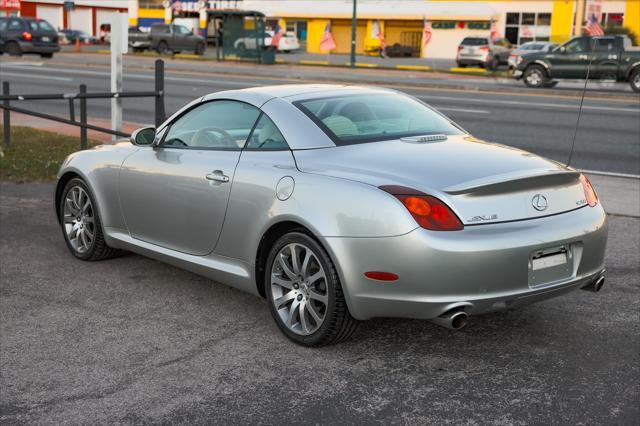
x=476, y=178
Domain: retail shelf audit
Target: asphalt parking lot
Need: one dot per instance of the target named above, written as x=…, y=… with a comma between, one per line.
x=132, y=340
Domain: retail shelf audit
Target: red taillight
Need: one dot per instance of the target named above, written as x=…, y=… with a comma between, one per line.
x=460, y=47
x=589, y=192
x=428, y=211
x=26, y=36
x=381, y=276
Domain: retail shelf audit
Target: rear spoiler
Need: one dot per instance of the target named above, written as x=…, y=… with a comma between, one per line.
x=514, y=181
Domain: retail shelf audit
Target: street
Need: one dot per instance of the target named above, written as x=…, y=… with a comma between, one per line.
x=540, y=121
x=132, y=340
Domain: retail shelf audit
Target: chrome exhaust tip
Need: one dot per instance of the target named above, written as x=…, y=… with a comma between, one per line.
x=596, y=285
x=452, y=320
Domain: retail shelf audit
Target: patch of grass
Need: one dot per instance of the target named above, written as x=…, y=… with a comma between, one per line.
x=35, y=155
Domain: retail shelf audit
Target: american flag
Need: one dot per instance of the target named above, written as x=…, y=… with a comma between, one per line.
x=593, y=27
x=380, y=36
x=426, y=32
x=327, y=42
x=493, y=32
x=277, y=35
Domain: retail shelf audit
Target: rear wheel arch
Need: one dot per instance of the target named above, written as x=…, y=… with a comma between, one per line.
x=268, y=239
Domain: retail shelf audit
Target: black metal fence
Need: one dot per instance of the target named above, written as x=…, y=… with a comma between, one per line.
x=82, y=95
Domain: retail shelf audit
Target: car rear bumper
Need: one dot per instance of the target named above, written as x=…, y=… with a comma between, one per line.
x=480, y=269
x=36, y=47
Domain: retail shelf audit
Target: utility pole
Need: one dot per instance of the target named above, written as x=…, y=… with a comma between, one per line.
x=580, y=5
x=353, y=35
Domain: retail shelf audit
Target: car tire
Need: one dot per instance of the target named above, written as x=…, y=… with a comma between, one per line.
x=634, y=80
x=291, y=289
x=162, y=48
x=80, y=223
x=46, y=55
x=13, y=49
x=535, y=76
x=199, y=49
x=242, y=48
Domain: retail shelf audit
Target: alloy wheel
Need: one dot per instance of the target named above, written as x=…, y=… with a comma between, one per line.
x=299, y=289
x=79, y=219
x=534, y=78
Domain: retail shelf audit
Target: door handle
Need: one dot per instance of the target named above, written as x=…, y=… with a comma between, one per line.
x=583, y=57
x=217, y=176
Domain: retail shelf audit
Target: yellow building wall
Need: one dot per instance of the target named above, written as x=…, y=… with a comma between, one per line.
x=632, y=17
x=371, y=41
x=561, y=20
x=341, y=30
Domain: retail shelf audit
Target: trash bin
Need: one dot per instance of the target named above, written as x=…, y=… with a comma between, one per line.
x=268, y=55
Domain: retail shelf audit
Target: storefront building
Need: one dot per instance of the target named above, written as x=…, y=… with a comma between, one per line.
x=87, y=15
x=399, y=21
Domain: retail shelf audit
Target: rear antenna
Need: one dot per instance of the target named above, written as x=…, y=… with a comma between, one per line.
x=584, y=90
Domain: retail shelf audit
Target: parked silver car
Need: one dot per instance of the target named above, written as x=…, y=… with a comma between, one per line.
x=483, y=52
x=529, y=47
x=338, y=204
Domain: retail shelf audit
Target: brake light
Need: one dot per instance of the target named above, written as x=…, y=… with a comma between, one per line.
x=26, y=36
x=428, y=211
x=460, y=47
x=589, y=192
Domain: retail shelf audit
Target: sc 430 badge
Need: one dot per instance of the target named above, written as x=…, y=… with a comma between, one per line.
x=484, y=218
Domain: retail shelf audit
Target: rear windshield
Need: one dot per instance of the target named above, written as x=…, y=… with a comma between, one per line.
x=374, y=117
x=40, y=26
x=474, y=41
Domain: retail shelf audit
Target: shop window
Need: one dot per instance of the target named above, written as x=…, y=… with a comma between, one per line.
x=528, y=19
x=543, y=19
x=513, y=19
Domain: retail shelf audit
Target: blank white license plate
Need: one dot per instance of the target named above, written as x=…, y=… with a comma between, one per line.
x=549, y=261
x=46, y=39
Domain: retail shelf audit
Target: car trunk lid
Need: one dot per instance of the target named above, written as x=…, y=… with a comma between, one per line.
x=481, y=182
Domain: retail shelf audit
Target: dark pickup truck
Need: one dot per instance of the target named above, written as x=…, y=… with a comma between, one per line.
x=611, y=58
x=175, y=38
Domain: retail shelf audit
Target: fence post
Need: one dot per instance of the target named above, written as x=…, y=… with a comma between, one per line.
x=159, y=92
x=6, y=114
x=83, y=117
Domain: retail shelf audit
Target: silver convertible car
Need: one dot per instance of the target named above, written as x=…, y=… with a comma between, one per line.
x=338, y=204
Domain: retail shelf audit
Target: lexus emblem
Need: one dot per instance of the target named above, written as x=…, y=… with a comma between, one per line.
x=539, y=202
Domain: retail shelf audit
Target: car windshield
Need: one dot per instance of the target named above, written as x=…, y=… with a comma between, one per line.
x=40, y=26
x=474, y=41
x=374, y=117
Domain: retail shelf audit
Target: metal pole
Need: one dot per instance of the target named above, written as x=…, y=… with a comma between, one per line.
x=83, y=117
x=6, y=115
x=159, y=79
x=117, y=49
x=353, y=35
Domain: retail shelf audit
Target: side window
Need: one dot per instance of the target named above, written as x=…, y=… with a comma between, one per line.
x=3, y=25
x=605, y=45
x=577, y=46
x=213, y=125
x=15, y=24
x=266, y=136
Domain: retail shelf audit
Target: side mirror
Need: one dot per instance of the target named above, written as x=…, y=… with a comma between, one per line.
x=144, y=136
x=561, y=49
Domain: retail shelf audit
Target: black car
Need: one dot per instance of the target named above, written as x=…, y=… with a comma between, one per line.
x=27, y=35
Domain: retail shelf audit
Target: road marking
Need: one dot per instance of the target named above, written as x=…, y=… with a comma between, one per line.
x=473, y=111
x=534, y=104
x=612, y=174
x=212, y=81
x=37, y=76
